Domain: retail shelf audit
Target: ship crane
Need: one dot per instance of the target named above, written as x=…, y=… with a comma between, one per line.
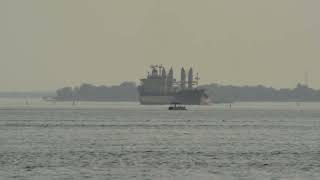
x=194, y=82
x=160, y=66
x=197, y=78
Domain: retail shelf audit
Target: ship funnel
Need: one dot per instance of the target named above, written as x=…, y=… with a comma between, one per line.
x=190, y=78
x=183, y=78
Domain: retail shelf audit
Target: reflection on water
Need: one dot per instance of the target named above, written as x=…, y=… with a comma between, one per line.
x=43, y=140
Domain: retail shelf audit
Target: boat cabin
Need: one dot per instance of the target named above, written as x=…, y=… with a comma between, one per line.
x=176, y=106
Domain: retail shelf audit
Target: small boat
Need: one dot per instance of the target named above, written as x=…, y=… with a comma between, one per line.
x=174, y=106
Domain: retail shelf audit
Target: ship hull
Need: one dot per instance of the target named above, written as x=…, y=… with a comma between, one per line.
x=164, y=100
x=156, y=100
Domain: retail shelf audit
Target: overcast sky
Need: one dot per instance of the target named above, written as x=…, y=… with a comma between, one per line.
x=46, y=44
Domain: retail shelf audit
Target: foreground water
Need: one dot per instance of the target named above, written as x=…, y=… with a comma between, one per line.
x=128, y=141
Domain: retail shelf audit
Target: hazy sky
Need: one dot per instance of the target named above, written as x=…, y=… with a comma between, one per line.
x=45, y=44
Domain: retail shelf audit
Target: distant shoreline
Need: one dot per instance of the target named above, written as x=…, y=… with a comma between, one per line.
x=127, y=91
x=136, y=101
x=226, y=94
x=210, y=102
x=26, y=94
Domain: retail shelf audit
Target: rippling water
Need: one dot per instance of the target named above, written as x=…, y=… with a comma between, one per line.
x=128, y=141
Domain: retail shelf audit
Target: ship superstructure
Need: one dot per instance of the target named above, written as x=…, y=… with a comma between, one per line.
x=162, y=88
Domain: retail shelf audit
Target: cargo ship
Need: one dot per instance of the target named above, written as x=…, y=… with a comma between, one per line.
x=160, y=88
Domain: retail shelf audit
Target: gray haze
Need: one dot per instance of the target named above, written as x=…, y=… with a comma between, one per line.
x=48, y=44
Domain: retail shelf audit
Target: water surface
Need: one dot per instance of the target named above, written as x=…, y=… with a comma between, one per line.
x=128, y=141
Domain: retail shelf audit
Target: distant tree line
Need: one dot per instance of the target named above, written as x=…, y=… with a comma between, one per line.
x=26, y=94
x=228, y=93
x=127, y=91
